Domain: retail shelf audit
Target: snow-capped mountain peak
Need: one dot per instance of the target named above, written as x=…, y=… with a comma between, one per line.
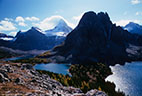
x=61, y=23
x=61, y=29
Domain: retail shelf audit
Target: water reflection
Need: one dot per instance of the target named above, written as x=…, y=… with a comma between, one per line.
x=127, y=78
x=53, y=67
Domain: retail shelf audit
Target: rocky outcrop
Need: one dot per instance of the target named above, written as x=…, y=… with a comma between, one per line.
x=96, y=39
x=22, y=79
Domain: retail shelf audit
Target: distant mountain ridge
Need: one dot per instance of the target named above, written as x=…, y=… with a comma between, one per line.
x=6, y=37
x=36, y=39
x=32, y=39
x=134, y=28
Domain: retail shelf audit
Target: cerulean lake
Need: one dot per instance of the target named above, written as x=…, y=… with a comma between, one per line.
x=19, y=58
x=53, y=67
x=127, y=78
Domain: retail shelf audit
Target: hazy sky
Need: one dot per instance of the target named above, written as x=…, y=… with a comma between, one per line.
x=18, y=15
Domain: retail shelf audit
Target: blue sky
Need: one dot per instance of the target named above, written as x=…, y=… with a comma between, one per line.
x=18, y=15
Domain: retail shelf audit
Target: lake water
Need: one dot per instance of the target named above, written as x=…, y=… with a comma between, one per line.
x=18, y=58
x=127, y=78
x=53, y=67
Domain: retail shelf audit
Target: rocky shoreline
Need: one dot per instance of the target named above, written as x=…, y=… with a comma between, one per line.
x=22, y=79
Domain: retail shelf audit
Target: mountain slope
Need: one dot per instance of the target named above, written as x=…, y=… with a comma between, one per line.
x=34, y=39
x=134, y=28
x=6, y=53
x=96, y=39
x=23, y=79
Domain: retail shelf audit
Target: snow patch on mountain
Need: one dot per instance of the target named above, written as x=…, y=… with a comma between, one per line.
x=37, y=29
x=6, y=38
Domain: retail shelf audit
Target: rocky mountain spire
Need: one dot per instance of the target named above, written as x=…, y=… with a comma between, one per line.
x=96, y=39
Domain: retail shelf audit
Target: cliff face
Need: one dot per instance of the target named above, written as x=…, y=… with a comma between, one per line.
x=96, y=39
x=22, y=79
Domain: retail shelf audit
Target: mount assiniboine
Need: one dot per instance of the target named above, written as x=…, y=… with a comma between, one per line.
x=36, y=39
x=97, y=39
x=61, y=29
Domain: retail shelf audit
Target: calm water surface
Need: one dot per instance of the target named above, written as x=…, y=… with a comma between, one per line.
x=53, y=67
x=127, y=78
x=19, y=58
